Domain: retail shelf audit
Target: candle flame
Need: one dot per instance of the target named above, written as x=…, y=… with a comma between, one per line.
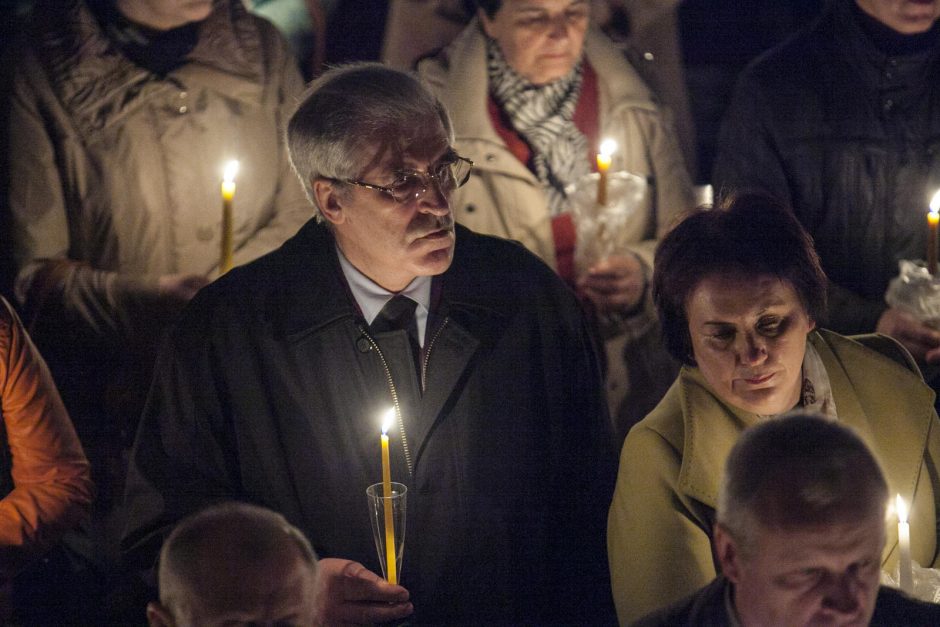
x=609, y=147
x=231, y=169
x=901, y=507
x=935, y=202
x=388, y=418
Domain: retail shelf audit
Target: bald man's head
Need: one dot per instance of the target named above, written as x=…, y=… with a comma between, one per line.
x=235, y=563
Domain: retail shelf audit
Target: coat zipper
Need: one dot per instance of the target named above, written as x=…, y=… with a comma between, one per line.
x=394, y=392
x=427, y=355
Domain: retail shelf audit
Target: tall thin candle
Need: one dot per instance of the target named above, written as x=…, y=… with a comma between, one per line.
x=933, y=219
x=905, y=570
x=390, y=557
x=604, y=158
x=228, y=216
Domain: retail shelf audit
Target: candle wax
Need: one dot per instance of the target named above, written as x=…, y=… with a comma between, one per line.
x=228, y=216
x=905, y=569
x=933, y=218
x=390, y=557
x=603, y=164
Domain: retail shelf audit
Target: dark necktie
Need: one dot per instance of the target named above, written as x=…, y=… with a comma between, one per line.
x=399, y=313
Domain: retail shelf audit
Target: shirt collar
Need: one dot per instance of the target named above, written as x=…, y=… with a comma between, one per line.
x=371, y=297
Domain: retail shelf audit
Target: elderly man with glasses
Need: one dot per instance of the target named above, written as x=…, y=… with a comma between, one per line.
x=272, y=386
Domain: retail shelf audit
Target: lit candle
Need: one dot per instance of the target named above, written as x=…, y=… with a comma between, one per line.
x=228, y=195
x=906, y=572
x=390, y=558
x=608, y=146
x=933, y=219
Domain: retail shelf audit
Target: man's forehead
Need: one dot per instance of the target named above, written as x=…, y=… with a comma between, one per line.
x=799, y=543
x=417, y=148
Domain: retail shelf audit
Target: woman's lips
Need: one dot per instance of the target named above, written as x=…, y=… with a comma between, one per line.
x=759, y=379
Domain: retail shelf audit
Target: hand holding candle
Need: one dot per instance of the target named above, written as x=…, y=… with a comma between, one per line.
x=906, y=573
x=228, y=196
x=933, y=219
x=390, y=556
x=604, y=158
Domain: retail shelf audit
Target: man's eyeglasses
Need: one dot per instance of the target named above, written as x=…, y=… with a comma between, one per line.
x=411, y=184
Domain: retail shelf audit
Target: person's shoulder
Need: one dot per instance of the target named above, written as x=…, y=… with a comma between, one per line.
x=871, y=350
x=894, y=608
x=666, y=421
x=505, y=259
x=704, y=608
x=259, y=38
x=8, y=319
x=267, y=31
x=437, y=66
x=618, y=77
x=786, y=63
x=251, y=291
x=503, y=275
x=880, y=368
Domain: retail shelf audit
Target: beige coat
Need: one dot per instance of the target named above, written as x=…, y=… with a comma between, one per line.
x=116, y=171
x=503, y=197
x=660, y=521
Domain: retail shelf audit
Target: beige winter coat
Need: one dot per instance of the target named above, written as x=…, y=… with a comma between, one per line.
x=116, y=172
x=503, y=197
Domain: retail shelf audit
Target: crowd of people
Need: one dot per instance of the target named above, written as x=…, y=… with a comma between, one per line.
x=189, y=442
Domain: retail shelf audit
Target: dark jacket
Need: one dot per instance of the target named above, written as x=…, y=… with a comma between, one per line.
x=270, y=390
x=850, y=137
x=709, y=607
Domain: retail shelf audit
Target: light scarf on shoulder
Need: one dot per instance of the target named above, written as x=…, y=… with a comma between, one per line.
x=816, y=393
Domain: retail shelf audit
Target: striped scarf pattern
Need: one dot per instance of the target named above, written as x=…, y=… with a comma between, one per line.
x=543, y=115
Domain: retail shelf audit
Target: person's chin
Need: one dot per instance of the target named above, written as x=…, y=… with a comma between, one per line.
x=551, y=69
x=435, y=252
x=766, y=401
x=198, y=10
x=919, y=19
x=826, y=621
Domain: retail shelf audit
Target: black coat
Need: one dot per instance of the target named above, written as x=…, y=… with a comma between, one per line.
x=270, y=391
x=850, y=137
x=709, y=608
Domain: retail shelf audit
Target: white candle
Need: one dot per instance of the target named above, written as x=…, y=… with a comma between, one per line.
x=906, y=572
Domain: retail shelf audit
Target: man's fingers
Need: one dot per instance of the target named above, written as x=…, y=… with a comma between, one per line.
x=361, y=584
x=369, y=613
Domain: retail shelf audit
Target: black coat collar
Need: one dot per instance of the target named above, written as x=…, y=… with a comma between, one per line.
x=312, y=292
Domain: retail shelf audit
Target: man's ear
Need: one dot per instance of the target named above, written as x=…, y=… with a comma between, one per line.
x=159, y=616
x=327, y=195
x=728, y=554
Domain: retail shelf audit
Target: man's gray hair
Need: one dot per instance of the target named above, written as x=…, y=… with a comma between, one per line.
x=349, y=112
x=796, y=471
x=230, y=531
